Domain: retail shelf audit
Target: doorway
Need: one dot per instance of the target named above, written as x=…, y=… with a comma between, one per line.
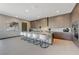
x=24, y=26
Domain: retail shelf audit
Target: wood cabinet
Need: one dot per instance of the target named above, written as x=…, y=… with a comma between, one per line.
x=39, y=23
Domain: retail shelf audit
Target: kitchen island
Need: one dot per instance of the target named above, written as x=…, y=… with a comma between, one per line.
x=44, y=39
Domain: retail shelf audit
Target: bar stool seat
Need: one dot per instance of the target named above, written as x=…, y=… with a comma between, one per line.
x=36, y=39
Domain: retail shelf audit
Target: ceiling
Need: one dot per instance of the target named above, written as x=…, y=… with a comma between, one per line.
x=34, y=11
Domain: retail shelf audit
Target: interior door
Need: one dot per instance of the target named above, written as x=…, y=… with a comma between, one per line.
x=24, y=26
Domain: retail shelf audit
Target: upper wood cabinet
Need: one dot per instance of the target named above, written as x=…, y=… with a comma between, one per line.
x=39, y=23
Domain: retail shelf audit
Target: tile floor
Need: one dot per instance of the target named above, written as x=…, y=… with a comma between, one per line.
x=16, y=46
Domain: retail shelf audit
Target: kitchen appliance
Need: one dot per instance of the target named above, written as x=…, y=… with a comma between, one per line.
x=75, y=32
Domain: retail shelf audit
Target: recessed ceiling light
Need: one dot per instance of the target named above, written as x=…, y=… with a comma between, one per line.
x=38, y=16
x=57, y=11
x=46, y=16
x=26, y=10
x=16, y=16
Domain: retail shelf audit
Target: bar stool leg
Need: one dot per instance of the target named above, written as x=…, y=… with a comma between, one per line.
x=36, y=42
x=44, y=45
